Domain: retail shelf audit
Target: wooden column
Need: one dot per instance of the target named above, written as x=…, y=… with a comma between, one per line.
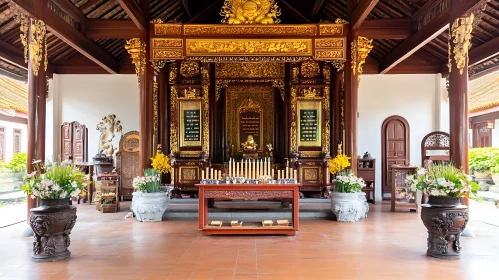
x=337, y=130
x=146, y=131
x=351, y=103
x=458, y=103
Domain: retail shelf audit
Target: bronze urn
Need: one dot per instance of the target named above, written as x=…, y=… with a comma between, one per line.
x=52, y=223
x=445, y=219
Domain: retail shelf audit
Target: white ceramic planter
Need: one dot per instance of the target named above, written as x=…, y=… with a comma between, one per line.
x=149, y=207
x=349, y=207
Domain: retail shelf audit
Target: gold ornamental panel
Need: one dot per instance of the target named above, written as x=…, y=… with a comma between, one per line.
x=248, y=30
x=329, y=54
x=189, y=174
x=248, y=70
x=167, y=43
x=311, y=175
x=330, y=43
x=331, y=29
x=167, y=54
x=261, y=96
x=168, y=29
x=248, y=47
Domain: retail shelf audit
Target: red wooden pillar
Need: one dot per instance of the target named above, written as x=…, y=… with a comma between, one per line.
x=351, y=104
x=146, y=101
x=458, y=103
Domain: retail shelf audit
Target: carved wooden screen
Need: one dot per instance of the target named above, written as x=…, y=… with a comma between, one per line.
x=17, y=141
x=2, y=143
x=74, y=141
x=435, y=146
x=128, y=161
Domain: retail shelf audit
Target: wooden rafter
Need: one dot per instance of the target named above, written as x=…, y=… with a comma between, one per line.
x=292, y=12
x=186, y=8
x=111, y=28
x=390, y=28
x=427, y=33
x=65, y=32
x=361, y=11
x=134, y=11
x=207, y=11
x=316, y=8
x=70, y=9
x=12, y=55
x=87, y=5
x=484, y=52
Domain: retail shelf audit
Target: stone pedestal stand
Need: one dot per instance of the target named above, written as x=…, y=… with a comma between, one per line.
x=52, y=223
x=445, y=225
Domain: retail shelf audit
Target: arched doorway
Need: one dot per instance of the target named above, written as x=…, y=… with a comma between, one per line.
x=395, y=148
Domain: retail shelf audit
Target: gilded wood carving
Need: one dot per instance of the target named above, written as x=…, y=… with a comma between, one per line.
x=250, y=12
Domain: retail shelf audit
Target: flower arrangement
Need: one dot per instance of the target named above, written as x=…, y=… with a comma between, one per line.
x=161, y=163
x=149, y=183
x=347, y=182
x=55, y=181
x=339, y=163
x=442, y=180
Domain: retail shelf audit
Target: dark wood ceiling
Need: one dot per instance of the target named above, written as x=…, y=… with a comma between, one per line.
x=392, y=24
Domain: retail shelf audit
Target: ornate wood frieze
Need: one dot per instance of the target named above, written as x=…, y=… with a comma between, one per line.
x=248, y=47
x=310, y=69
x=167, y=43
x=205, y=74
x=215, y=30
x=249, y=70
x=168, y=29
x=461, y=37
x=224, y=83
x=331, y=29
x=231, y=194
x=189, y=68
x=173, y=119
x=157, y=65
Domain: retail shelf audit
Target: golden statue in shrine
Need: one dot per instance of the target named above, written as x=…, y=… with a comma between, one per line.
x=250, y=144
x=250, y=12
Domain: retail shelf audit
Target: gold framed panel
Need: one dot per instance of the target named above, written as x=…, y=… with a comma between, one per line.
x=309, y=105
x=248, y=47
x=310, y=175
x=189, y=174
x=250, y=106
x=262, y=95
x=189, y=105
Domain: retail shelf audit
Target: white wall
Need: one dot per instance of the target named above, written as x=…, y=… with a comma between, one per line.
x=87, y=99
x=413, y=97
x=9, y=138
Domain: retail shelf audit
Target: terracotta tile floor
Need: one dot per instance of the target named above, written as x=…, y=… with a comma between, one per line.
x=385, y=246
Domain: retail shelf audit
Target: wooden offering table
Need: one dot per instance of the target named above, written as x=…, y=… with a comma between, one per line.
x=247, y=191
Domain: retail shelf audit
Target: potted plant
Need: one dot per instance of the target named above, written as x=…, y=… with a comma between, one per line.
x=444, y=217
x=149, y=200
x=52, y=221
x=481, y=161
x=348, y=202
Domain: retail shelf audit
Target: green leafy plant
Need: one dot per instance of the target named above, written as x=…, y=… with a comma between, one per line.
x=347, y=182
x=55, y=181
x=149, y=183
x=18, y=163
x=483, y=159
x=442, y=180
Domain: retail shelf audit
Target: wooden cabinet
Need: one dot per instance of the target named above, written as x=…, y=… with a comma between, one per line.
x=366, y=170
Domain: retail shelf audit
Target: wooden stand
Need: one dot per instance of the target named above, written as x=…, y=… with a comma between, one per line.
x=367, y=170
x=400, y=188
x=247, y=191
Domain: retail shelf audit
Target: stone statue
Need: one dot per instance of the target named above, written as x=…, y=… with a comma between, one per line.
x=108, y=127
x=250, y=144
x=250, y=12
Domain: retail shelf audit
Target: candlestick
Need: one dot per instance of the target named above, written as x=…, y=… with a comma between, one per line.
x=230, y=161
x=287, y=171
x=202, y=174
x=211, y=173
x=219, y=175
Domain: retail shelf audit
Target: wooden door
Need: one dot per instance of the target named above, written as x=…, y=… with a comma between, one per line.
x=395, y=141
x=67, y=140
x=79, y=142
x=482, y=135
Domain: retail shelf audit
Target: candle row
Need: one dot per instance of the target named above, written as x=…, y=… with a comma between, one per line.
x=211, y=174
x=251, y=169
x=288, y=173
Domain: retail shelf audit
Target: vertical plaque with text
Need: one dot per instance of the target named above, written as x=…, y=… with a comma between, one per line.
x=309, y=123
x=190, y=124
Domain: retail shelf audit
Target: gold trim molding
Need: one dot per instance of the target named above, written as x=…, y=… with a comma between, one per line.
x=249, y=70
x=248, y=47
x=284, y=30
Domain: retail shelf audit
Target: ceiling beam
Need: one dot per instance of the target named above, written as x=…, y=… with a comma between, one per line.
x=207, y=11
x=186, y=8
x=292, y=12
x=111, y=28
x=484, y=52
x=87, y=5
x=427, y=33
x=70, y=9
x=14, y=76
x=316, y=8
x=133, y=10
x=12, y=55
x=65, y=32
x=485, y=72
x=361, y=12
x=389, y=28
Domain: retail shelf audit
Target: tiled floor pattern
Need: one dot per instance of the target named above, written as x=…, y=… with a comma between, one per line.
x=385, y=246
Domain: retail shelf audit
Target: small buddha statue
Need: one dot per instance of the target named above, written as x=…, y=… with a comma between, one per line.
x=250, y=144
x=251, y=12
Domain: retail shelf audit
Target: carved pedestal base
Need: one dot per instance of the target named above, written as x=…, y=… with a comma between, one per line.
x=444, y=225
x=52, y=223
x=349, y=207
x=149, y=207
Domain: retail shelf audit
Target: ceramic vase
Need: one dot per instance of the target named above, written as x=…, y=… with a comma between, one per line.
x=149, y=207
x=348, y=207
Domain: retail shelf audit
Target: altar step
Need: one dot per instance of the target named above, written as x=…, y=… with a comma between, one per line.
x=310, y=208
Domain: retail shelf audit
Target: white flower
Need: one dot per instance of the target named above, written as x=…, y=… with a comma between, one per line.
x=33, y=196
x=74, y=184
x=64, y=194
x=421, y=171
x=56, y=187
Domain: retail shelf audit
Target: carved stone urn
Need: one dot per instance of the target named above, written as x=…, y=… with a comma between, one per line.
x=445, y=219
x=52, y=223
x=149, y=207
x=349, y=207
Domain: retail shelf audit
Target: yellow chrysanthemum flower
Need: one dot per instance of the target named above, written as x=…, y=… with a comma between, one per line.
x=161, y=163
x=339, y=163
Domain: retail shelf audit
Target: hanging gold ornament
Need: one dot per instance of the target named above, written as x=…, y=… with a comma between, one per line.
x=36, y=45
x=461, y=37
x=137, y=50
